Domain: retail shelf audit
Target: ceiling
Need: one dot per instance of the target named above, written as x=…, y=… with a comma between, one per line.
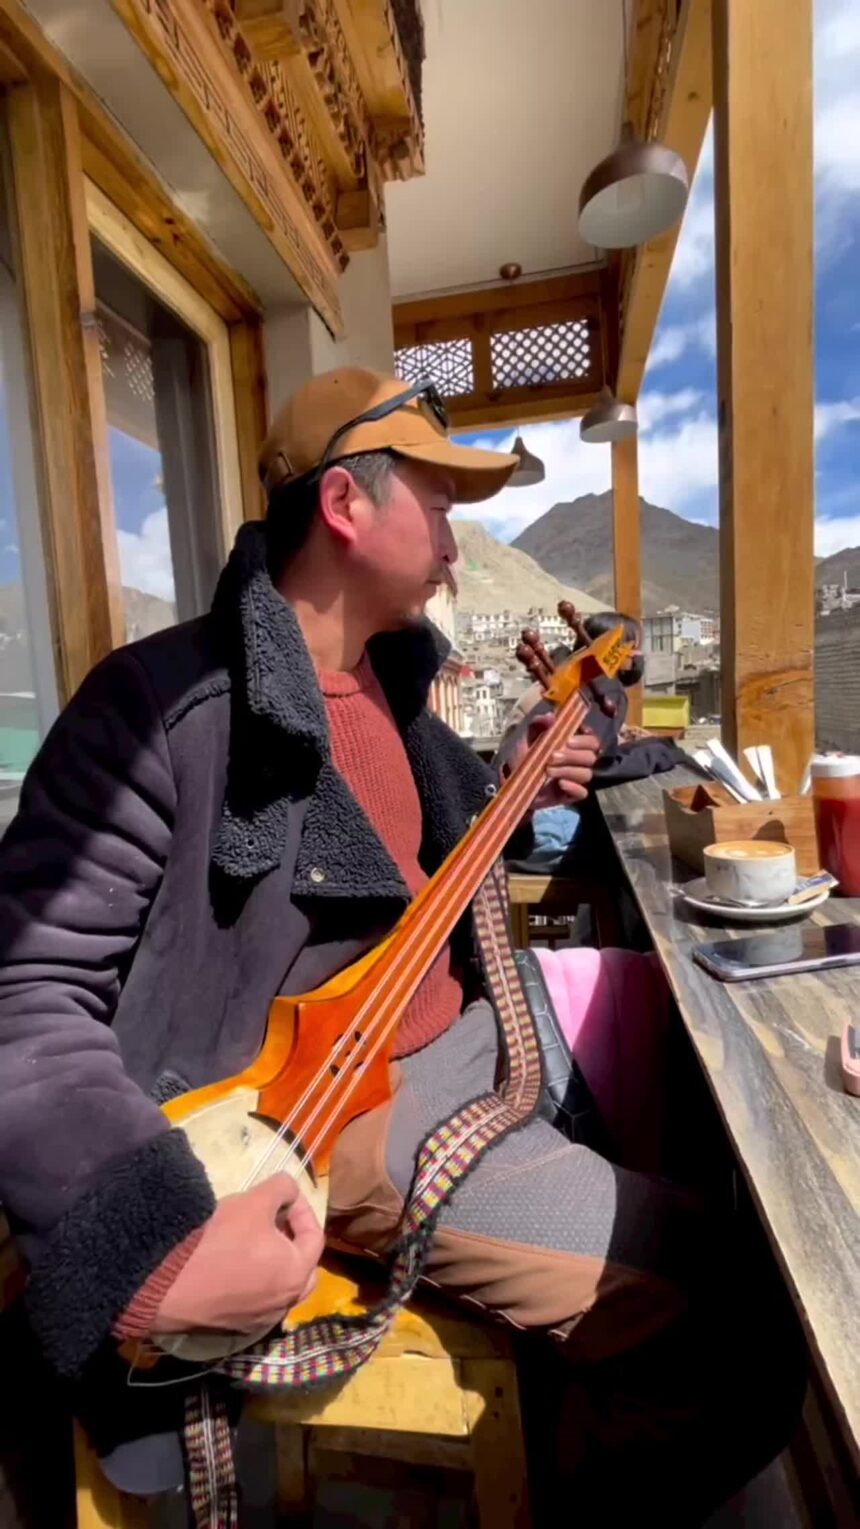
x=521, y=99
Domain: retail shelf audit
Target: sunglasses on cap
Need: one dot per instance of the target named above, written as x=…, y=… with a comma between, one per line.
x=424, y=391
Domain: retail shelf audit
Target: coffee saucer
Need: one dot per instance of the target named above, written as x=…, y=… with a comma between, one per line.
x=698, y=896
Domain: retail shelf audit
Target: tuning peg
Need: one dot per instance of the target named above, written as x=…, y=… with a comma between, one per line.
x=532, y=654
x=569, y=614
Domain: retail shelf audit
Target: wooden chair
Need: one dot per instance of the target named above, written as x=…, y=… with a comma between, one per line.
x=559, y=894
x=440, y=1391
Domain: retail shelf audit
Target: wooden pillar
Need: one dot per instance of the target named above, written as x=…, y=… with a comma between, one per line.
x=627, y=545
x=249, y=390
x=70, y=427
x=764, y=245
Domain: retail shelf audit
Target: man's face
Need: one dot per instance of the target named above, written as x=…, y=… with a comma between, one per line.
x=404, y=547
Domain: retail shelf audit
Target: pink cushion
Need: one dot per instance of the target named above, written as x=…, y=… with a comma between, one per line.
x=612, y=1007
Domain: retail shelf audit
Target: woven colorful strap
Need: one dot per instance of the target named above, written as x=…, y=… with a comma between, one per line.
x=334, y=1347
x=212, y=1491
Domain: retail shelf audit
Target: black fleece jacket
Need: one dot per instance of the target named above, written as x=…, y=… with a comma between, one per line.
x=184, y=851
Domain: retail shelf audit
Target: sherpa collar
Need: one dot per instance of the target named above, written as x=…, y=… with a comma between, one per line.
x=279, y=742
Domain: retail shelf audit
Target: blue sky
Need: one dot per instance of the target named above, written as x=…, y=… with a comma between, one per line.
x=678, y=439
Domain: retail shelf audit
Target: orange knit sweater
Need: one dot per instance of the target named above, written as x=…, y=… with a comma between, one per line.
x=368, y=752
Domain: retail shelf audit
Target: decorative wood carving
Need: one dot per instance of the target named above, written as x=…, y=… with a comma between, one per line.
x=325, y=47
x=282, y=113
x=333, y=91
x=364, y=112
x=254, y=128
x=373, y=36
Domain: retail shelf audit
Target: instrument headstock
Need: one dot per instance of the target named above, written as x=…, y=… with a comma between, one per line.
x=534, y=657
x=603, y=656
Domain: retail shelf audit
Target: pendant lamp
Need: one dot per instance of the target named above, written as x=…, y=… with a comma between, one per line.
x=637, y=192
x=609, y=420
x=530, y=470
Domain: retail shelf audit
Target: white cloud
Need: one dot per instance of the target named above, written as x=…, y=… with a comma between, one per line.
x=144, y=557
x=835, y=535
x=837, y=115
x=694, y=253
x=669, y=346
x=837, y=163
x=837, y=135
x=571, y=469
x=673, y=341
x=654, y=407
x=677, y=464
x=830, y=417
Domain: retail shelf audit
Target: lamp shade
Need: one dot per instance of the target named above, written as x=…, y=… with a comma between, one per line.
x=609, y=420
x=531, y=469
x=633, y=195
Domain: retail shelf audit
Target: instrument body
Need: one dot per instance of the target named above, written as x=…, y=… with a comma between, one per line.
x=325, y=1057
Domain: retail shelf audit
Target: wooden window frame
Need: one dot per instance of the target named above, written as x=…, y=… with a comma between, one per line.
x=114, y=230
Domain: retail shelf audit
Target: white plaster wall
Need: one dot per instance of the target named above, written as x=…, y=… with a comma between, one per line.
x=299, y=346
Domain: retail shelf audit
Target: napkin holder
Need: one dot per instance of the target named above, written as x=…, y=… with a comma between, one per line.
x=708, y=814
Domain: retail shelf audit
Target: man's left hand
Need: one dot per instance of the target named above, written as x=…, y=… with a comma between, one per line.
x=571, y=767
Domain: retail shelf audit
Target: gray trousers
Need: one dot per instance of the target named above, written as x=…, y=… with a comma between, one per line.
x=673, y=1368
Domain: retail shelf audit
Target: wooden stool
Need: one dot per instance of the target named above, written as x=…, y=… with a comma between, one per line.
x=441, y=1390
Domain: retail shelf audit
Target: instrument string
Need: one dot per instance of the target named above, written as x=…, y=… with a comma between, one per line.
x=409, y=981
x=393, y=991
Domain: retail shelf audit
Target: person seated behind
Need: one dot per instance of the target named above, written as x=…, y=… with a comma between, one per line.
x=625, y=754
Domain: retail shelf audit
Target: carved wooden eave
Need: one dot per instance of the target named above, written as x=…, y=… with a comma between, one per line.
x=307, y=106
x=248, y=116
x=347, y=63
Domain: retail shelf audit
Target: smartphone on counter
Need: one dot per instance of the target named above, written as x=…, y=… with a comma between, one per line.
x=798, y=948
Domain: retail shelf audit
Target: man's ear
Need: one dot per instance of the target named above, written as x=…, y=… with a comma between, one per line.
x=338, y=495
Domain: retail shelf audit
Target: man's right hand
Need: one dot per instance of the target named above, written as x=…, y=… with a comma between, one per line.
x=256, y=1259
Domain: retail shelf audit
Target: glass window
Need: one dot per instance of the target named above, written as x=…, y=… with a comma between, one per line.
x=162, y=452
x=28, y=689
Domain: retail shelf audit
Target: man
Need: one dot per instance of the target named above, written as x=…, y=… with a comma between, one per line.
x=236, y=808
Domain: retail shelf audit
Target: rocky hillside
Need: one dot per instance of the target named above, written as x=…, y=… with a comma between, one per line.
x=494, y=577
x=832, y=570
x=680, y=560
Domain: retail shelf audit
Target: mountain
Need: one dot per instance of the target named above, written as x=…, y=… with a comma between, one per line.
x=831, y=570
x=680, y=560
x=494, y=577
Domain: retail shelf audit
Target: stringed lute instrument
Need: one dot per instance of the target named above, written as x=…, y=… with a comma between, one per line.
x=325, y=1058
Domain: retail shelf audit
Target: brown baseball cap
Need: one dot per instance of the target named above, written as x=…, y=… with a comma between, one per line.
x=304, y=427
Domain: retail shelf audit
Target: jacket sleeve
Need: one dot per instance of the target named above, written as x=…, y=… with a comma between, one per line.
x=636, y=761
x=97, y=1187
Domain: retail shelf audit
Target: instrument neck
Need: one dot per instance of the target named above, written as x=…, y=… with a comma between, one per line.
x=431, y=918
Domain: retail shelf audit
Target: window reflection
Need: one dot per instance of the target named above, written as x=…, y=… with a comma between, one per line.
x=162, y=452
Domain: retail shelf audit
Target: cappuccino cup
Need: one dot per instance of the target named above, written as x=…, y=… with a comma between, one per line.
x=750, y=871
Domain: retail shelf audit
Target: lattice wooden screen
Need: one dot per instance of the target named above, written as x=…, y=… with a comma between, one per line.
x=530, y=357
x=448, y=362
x=529, y=352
